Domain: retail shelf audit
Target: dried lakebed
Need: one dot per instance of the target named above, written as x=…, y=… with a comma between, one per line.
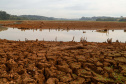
x=62, y=35
x=42, y=62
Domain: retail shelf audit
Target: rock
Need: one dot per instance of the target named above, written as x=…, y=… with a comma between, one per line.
x=120, y=59
x=99, y=69
x=21, y=71
x=61, y=83
x=106, y=75
x=31, y=72
x=62, y=62
x=69, y=59
x=41, y=59
x=117, y=55
x=2, y=54
x=81, y=58
x=99, y=64
x=40, y=78
x=3, y=60
x=12, y=82
x=64, y=68
x=66, y=78
x=75, y=65
x=79, y=80
x=74, y=76
x=106, y=64
x=3, y=74
x=90, y=65
x=2, y=67
x=52, y=81
x=4, y=80
x=108, y=69
x=110, y=47
x=110, y=61
x=51, y=58
x=100, y=78
x=60, y=74
x=82, y=72
x=28, y=81
x=42, y=65
x=123, y=69
x=49, y=73
x=15, y=76
x=11, y=63
x=118, y=77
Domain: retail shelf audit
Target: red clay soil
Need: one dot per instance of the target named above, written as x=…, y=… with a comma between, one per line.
x=64, y=25
x=39, y=62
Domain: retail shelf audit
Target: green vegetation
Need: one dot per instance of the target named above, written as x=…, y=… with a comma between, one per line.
x=103, y=18
x=119, y=78
x=35, y=17
x=6, y=16
x=123, y=19
x=107, y=19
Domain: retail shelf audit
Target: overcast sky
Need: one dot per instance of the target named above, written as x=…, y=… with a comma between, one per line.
x=65, y=8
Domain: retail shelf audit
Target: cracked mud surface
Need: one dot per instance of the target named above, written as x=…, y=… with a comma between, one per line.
x=39, y=62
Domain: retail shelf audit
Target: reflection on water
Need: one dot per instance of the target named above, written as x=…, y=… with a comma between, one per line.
x=3, y=28
x=62, y=35
x=124, y=30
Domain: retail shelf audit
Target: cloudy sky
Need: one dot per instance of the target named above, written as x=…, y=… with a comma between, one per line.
x=65, y=8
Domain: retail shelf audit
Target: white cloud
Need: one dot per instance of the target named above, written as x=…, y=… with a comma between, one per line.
x=65, y=8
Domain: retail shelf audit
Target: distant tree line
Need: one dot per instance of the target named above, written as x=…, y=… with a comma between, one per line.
x=107, y=19
x=36, y=17
x=103, y=18
x=6, y=16
x=123, y=19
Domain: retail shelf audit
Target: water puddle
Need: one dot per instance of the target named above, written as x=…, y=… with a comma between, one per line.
x=62, y=35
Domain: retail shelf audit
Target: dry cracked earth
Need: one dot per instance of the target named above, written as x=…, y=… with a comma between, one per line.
x=39, y=62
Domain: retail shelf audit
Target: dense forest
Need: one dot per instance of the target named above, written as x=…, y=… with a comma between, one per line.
x=6, y=16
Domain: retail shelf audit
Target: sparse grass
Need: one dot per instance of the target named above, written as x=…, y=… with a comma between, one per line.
x=119, y=78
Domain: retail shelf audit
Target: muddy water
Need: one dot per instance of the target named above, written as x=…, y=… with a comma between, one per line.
x=62, y=35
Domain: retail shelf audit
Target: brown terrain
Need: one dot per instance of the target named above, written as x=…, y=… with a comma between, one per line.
x=44, y=62
x=77, y=25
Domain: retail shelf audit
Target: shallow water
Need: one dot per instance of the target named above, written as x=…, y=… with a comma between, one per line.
x=62, y=35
